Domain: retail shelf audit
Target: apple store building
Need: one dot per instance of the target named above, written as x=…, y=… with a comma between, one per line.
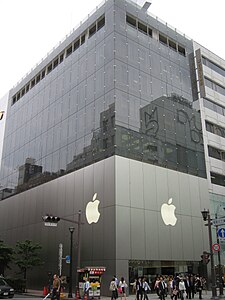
x=106, y=125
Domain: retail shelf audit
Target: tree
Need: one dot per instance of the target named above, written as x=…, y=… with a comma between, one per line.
x=27, y=256
x=6, y=253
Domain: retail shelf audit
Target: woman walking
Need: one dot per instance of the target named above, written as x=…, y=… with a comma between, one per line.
x=122, y=286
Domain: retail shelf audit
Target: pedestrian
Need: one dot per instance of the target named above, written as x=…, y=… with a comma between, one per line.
x=166, y=280
x=139, y=289
x=162, y=288
x=182, y=288
x=55, y=288
x=86, y=287
x=156, y=286
x=146, y=288
x=123, y=286
x=170, y=286
x=192, y=284
x=188, y=287
x=117, y=284
x=199, y=286
x=116, y=280
x=113, y=289
x=134, y=285
x=174, y=293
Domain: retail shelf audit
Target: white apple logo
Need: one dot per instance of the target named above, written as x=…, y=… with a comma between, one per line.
x=92, y=213
x=168, y=213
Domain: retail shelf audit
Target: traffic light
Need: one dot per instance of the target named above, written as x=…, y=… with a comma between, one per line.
x=205, y=258
x=50, y=220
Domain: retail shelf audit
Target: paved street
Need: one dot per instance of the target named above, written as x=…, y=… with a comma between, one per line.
x=206, y=295
x=26, y=297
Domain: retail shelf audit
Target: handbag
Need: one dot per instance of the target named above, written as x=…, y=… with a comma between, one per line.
x=120, y=290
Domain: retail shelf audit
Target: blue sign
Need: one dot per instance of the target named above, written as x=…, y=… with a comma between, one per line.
x=221, y=233
x=68, y=259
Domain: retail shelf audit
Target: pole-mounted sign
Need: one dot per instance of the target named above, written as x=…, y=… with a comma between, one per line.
x=216, y=247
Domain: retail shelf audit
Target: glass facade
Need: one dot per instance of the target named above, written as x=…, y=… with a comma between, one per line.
x=122, y=92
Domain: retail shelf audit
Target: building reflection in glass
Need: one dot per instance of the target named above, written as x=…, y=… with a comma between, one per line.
x=169, y=136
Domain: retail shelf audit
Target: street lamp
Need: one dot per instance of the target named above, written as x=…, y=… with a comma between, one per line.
x=70, y=294
x=206, y=217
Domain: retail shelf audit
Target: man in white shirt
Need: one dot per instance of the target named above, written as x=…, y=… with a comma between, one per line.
x=86, y=287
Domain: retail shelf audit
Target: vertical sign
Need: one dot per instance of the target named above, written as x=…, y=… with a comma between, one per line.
x=60, y=258
x=200, y=73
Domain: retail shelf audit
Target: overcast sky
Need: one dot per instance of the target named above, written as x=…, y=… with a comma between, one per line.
x=29, y=29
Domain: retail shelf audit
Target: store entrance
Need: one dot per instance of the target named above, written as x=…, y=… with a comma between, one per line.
x=152, y=269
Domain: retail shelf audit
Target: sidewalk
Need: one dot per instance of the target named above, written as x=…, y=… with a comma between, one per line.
x=39, y=294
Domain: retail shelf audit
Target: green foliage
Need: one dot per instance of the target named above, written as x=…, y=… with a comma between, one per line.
x=6, y=253
x=27, y=256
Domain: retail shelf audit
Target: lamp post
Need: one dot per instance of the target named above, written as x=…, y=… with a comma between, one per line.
x=206, y=217
x=70, y=294
x=219, y=264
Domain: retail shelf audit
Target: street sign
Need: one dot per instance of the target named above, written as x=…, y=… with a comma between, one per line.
x=220, y=221
x=50, y=224
x=216, y=247
x=221, y=233
x=68, y=259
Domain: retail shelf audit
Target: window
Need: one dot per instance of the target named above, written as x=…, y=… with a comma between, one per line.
x=27, y=87
x=22, y=92
x=32, y=83
x=76, y=45
x=49, y=68
x=219, y=131
x=82, y=39
x=217, y=179
x=208, y=104
x=209, y=126
x=208, y=83
x=142, y=27
x=55, y=63
x=216, y=129
x=213, y=66
x=42, y=74
x=61, y=57
x=18, y=96
x=163, y=39
x=100, y=23
x=14, y=100
x=215, y=153
x=214, y=86
x=38, y=78
x=149, y=31
x=131, y=21
x=213, y=106
x=181, y=50
x=69, y=51
x=92, y=30
x=173, y=45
